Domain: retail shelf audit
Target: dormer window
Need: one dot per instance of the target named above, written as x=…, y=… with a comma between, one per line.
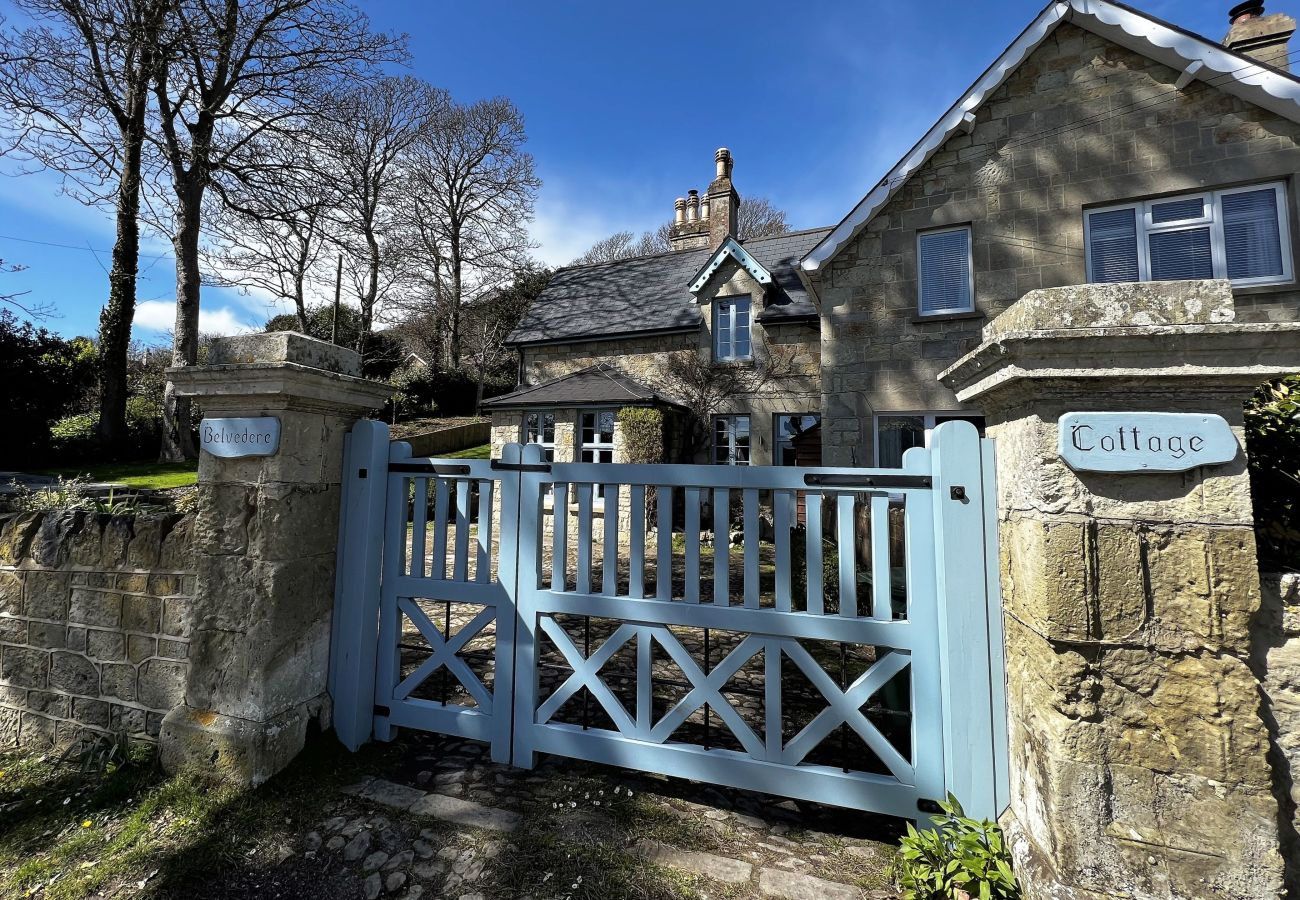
x=731, y=329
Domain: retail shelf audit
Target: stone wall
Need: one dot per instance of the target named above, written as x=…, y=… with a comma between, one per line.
x=1021, y=181
x=1276, y=660
x=94, y=624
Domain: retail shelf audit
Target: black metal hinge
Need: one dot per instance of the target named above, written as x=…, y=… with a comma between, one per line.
x=520, y=467
x=382, y=710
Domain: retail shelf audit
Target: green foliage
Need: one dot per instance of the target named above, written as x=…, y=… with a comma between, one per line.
x=423, y=391
x=43, y=378
x=642, y=429
x=960, y=855
x=65, y=494
x=1273, y=445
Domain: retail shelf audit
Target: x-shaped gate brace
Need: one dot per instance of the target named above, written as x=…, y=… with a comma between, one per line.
x=444, y=653
x=844, y=707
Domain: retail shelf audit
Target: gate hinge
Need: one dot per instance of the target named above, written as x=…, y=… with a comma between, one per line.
x=382, y=711
x=520, y=467
x=957, y=492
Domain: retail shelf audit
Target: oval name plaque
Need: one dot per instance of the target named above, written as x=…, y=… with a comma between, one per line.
x=234, y=438
x=1144, y=441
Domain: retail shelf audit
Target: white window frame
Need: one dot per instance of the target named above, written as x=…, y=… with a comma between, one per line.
x=929, y=417
x=526, y=437
x=970, y=271
x=1212, y=216
x=730, y=312
x=731, y=439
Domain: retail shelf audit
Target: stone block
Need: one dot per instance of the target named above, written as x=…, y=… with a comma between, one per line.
x=91, y=607
x=173, y=649
x=284, y=347
x=73, y=673
x=24, y=667
x=37, y=732
x=164, y=585
x=47, y=594
x=127, y=719
x=13, y=631
x=141, y=613
x=140, y=647
x=116, y=539
x=76, y=640
x=16, y=534
x=225, y=510
x=146, y=542
x=57, y=537
x=118, y=680
x=107, y=646
x=9, y=727
x=290, y=521
x=47, y=635
x=237, y=751
x=162, y=684
x=132, y=582
x=177, y=553
x=94, y=713
x=57, y=706
x=11, y=594
x=176, y=615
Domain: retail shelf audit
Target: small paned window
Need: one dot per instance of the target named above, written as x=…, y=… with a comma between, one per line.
x=896, y=433
x=944, y=271
x=789, y=427
x=539, y=428
x=731, y=328
x=598, y=436
x=731, y=440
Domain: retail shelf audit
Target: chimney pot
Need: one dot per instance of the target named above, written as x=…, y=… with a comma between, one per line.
x=1244, y=11
x=692, y=206
x=723, y=160
x=704, y=208
x=679, y=210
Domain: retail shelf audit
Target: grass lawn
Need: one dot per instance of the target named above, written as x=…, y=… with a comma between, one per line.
x=483, y=451
x=154, y=475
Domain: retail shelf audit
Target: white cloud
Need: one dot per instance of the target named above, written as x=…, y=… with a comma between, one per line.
x=160, y=316
x=568, y=220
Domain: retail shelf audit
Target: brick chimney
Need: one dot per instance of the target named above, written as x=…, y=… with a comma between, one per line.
x=700, y=222
x=1263, y=37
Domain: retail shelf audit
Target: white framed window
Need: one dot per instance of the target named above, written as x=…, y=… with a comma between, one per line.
x=731, y=440
x=731, y=328
x=597, y=436
x=539, y=428
x=945, y=276
x=1241, y=234
x=896, y=433
x=788, y=427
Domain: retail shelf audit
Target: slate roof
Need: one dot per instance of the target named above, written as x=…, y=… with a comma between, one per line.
x=649, y=294
x=597, y=385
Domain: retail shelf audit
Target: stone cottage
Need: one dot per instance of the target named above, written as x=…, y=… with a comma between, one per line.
x=1103, y=145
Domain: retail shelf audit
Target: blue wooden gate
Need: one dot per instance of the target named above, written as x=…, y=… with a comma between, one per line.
x=827, y=634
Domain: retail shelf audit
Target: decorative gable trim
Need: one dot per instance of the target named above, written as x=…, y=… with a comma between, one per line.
x=729, y=249
x=1193, y=55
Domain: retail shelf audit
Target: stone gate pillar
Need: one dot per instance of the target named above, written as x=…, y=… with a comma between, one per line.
x=265, y=540
x=1138, y=752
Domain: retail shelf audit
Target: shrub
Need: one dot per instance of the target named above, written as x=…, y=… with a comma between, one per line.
x=1273, y=446
x=643, y=434
x=43, y=378
x=960, y=856
x=73, y=437
x=420, y=391
x=65, y=494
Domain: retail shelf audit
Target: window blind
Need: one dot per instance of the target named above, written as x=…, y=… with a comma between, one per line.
x=945, y=271
x=1112, y=245
x=1181, y=255
x=1251, y=240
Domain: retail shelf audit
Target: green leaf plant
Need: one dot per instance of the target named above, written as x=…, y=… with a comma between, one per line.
x=959, y=858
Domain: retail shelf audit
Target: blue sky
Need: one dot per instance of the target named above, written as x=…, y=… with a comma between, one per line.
x=625, y=104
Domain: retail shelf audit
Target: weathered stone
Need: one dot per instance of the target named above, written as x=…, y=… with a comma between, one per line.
x=73, y=673
x=90, y=607
x=108, y=646
x=1101, y=305
x=162, y=684
x=710, y=865
x=13, y=631
x=794, y=886
x=94, y=713
x=358, y=847
x=57, y=706
x=173, y=649
x=398, y=796
x=374, y=861
x=16, y=534
x=24, y=667
x=118, y=680
x=140, y=647
x=47, y=635
x=11, y=594
x=463, y=812
x=393, y=883
x=47, y=595
x=141, y=613
x=372, y=886
x=176, y=617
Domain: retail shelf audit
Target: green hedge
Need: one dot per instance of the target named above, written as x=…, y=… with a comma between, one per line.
x=1273, y=445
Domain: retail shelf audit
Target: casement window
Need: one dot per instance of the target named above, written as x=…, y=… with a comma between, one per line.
x=731, y=440
x=896, y=433
x=731, y=329
x=1241, y=234
x=789, y=427
x=945, y=275
x=539, y=428
x=598, y=436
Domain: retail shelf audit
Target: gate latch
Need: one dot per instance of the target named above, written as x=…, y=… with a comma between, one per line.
x=958, y=492
x=520, y=467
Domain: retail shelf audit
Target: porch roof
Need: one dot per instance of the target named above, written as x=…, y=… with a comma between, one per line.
x=599, y=385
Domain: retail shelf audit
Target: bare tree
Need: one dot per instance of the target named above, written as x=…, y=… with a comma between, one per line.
x=488, y=321
x=74, y=95
x=241, y=69
x=473, y=192
x=756, y=218
x=271, y=233
x=375, y=129
x=34, y=311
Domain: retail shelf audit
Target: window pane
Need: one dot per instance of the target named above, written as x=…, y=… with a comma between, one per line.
x=896, y=434
x=1112, y=245
x=1181, y=255
x=945, y=271
x=1251, y=237
x=1178, y=210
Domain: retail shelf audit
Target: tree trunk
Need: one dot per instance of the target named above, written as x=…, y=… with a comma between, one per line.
x=178, y=433
x=453, y=324
x=117, y=315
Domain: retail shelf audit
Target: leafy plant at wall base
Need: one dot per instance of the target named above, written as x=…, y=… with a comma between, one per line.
x=1273, y=447
x=959, y=857
x=64, y=494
